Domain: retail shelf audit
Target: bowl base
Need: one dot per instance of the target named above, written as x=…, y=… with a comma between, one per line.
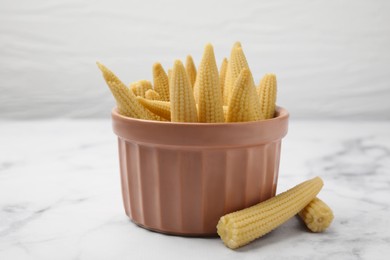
x=170, y=233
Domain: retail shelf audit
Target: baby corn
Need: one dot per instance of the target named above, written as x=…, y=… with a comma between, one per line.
x=211, y=90
x=158, y=107
x=241, y=227
x=160, y=81
x=241, y=108
x=237, y=62
x=208, y=90
x=126, y=101
x=140, y=87
x=225, y=112
x=152, y=95
x=222, y=75
x=317, y=216
x=191, y=70
x=183, y=107
x=267, y=93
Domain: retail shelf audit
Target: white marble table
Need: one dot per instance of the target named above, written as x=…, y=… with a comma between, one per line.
x=60, y=196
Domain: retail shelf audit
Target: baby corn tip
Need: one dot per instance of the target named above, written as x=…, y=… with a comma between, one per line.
x=208, y=45
x=237, y=45
x=178, y=63
x=156, y=65
x=100, y=66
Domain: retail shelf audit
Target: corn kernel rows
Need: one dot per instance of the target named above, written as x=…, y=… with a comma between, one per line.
x=183, y=106
x=214, y=92
x=241, y=227
x=267, y=92
x=125, y=98
x=207, y=89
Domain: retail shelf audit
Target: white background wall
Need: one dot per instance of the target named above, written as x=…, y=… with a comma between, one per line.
x=332, y=58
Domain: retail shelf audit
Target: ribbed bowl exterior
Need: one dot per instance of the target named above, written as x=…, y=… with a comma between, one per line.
x=180, y=180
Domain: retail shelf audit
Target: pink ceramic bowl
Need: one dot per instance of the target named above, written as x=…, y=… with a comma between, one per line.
x=180, y=178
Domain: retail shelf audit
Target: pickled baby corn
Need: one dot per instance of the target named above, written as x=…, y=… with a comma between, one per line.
x=126, y=101
x=140, y=87
x=183, y=107
x=160, y=82
x=237, y=62
x=163, y=108
x=225, y=112
x=241, y=107
x=158, y=107
x=267, y=94
x=317, y=216
x=222, y=74
x=152, y=95
x=191, y=70
x=241, y=227
x=208, y=91
x=212, y=89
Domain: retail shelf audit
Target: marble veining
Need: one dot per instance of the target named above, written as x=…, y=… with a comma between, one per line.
x=60, y=195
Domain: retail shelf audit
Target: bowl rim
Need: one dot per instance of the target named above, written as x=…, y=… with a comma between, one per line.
x=203, y=135
x=281, y=113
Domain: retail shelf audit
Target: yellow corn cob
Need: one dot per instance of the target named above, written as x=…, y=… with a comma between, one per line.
x=166, y=106
x=317, y=215
x=183, y=107
x=191, y=70
x=236, y=63
x=158, y=107
x=222, y=74
x=267, y=93
x=241, y=104
x=126, y=101
x=160, y=80
x=256, y=103
x=140, y=87
x=225, y=112
x=241, y=227
x=162, y=108
x=152, y=95
x=208, y=89
x=260, y=84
